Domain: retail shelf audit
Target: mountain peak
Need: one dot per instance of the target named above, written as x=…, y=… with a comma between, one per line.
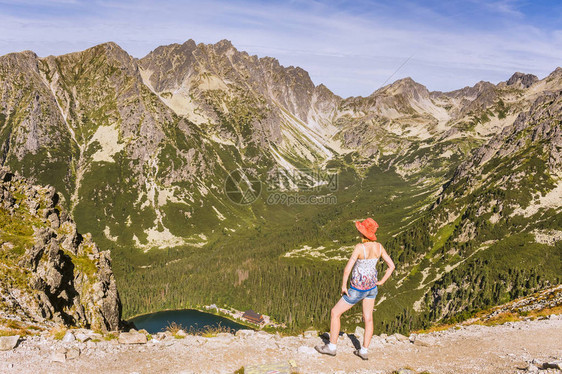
x=406, y=86
x=525, y=80
x=224, y=43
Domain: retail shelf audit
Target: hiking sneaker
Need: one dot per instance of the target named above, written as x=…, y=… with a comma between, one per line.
x=324, y=349
x=362, y=355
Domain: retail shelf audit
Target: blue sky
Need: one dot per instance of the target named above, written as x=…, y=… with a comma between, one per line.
x=353, y=47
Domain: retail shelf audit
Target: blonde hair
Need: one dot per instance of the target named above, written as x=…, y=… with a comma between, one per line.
x=364, y=239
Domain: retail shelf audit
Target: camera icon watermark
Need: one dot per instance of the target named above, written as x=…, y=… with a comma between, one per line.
x=242, y=186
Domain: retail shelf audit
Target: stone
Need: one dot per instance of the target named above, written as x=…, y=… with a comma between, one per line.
x=359, y=331
x=244, y=333
x=532, y=368
x=132, y=338
x=422, y=343
x=401, y=338
x=310, y=334
x=68, y=337
x=412, y=338
x=391, y=339
x=72, y=353
x=8, y=342
x=304, y=349
x=181, y=334
x=82, y=337
x=59, y=355
x=552, y=365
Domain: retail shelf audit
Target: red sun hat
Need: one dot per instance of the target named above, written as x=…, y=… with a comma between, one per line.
x=368, y=228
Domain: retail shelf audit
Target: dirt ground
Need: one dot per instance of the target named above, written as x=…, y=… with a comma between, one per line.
x=506, y=348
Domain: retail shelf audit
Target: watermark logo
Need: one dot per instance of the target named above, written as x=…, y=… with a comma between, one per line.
x=303, y=180
x=242, y=186
x=288, y=199
x=284, y=186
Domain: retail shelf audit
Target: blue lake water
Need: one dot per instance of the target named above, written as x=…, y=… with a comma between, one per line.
x=189, y=319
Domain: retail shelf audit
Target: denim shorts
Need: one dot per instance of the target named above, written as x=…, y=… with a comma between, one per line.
x=356, y=296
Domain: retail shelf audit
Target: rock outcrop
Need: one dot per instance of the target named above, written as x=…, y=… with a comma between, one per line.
x=49, y=272
x=524, y=80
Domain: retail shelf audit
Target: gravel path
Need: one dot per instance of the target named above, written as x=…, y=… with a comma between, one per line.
x=506, y=348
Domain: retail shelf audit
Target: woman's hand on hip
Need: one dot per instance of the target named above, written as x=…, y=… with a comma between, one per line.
x=379, y=283
x=344, y=290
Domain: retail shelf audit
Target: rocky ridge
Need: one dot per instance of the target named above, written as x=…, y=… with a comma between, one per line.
x=50, y=273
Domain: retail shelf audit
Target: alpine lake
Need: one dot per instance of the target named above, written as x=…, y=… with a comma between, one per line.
x=191, y=320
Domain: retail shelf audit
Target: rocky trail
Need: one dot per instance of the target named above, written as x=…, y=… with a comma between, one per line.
x=513, y=347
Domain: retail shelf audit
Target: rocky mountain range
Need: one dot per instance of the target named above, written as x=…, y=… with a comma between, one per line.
x=140, y=149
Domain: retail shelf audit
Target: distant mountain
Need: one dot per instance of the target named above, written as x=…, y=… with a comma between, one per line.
x=140, y=150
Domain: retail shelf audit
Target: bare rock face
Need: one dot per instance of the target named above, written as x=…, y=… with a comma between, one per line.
x=538, y=125
x=524, y=80
x=50, y=272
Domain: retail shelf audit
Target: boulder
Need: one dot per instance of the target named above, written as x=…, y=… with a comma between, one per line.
x=244, y=333
x=400, y=337
x=532, y=369
x=82, y=337
x=552, y=365
x=359, y=331
x=72, y=353
x=132, y=338
x=59, y=355
x=310, y=334
x=391, y=339
x=422, y=342
x=8, y=342
x=68, y=337
x=181, y=334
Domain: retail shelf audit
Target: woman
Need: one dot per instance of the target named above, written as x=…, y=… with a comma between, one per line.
x=364, y=286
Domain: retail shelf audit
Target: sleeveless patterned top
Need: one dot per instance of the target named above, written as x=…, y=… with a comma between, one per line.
x=364, y=273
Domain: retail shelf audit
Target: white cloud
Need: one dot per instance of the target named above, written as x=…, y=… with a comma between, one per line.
x=352, y=53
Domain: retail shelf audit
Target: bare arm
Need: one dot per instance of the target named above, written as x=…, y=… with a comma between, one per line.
x=348, y=269
x=390, y=268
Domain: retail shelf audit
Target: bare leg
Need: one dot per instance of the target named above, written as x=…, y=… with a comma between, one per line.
x=368, y=305
x=337, y=311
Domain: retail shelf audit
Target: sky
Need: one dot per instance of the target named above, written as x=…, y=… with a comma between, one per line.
x=353, y=47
